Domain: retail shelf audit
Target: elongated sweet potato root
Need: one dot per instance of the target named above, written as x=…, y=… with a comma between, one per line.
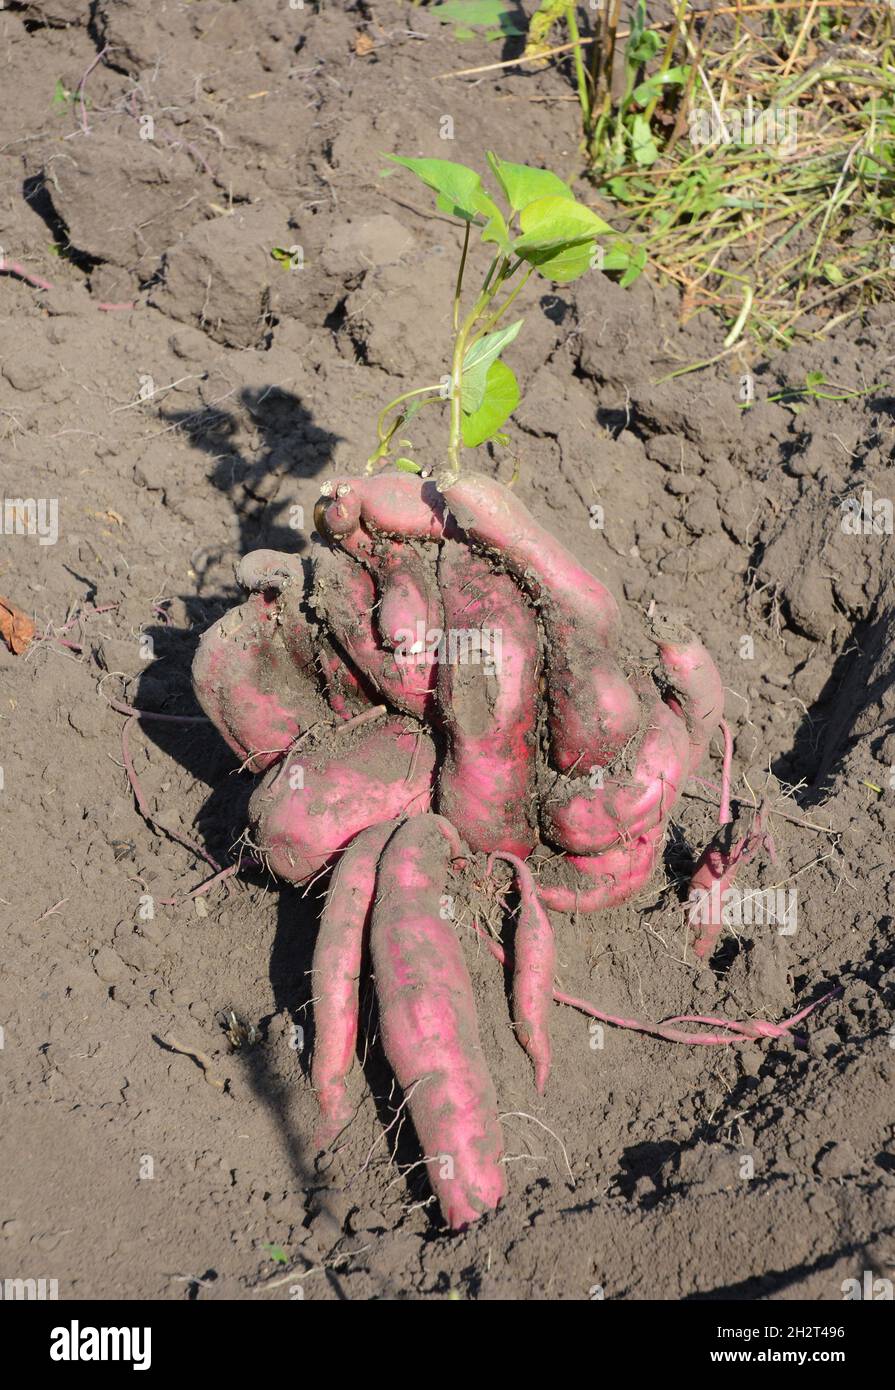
x=487, y=703
x=251, y=687
x=714, y=877
x=534, y=965
x=695, y=688
x=335, y=974
x=428, y=1023
x=314, y=803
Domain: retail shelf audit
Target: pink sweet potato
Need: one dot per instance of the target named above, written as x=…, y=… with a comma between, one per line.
x=534, y=964
x=344, y=597
x=713, y=877
x=606, y=879
x=389, y=504
x=487, y=703
x=250, y=686
x=310, y=807
x=335, y=975
x=593, y=711
x=584, y=819
x=695, y=688
x=428, y=1022
x=409, y=605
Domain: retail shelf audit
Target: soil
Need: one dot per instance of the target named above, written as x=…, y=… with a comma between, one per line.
x=154, y=1146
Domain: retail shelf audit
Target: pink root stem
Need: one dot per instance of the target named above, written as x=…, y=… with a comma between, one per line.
x=14, y=268
x=752, y=1031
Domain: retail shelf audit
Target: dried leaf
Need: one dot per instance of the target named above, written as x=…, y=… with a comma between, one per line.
x=363, y=45
x=16, y=628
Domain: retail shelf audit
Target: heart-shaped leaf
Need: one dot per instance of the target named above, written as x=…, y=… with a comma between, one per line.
x=457, y=186
x=523, y=185
x=498, y=403
x=477, y=362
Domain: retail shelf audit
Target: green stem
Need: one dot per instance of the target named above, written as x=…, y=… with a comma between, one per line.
x=460, y=278
x=580, y=75
x=499, y=313
x=385, y=435
x=461, y=344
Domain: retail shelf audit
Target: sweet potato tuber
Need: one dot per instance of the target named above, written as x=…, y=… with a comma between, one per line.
x=344, y=597
x=695, y=688
x=534, y=963
x=428, y=1022
x=487, y=702
x=335, y=973
x=390, y=504
x=311, y=806
x=251, y=687
x=593, y=711
x=587, y=819
x=609, y=878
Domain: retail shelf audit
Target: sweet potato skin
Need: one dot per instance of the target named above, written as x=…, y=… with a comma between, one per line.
x=695, y=690
x=488, y=706
x=383, y=771
x=335, y=974
x=586, y=820
x=390, y=504
x=250, y=686
x=344, y=598
x=534, y=965
x=593, y=710
x=609, y=878
x=428, y=1024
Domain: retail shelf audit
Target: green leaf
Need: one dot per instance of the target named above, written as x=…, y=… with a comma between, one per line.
x=460, y=194
x=477, y=362
x=485, y=14
x=457, y=186
x=619, y=188
x=644, y=94
x=523, y=184
x=643, y=146
x=813, y=380
x=646, y=47
x=558, y=237
x=495, y=228
x=636, y=266
x=276, y=1253
x=551, y=222
x=405, y=465
x=498, y=403
x=833, y=274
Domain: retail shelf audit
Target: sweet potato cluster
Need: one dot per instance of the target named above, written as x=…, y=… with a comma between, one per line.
x=397, y=749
